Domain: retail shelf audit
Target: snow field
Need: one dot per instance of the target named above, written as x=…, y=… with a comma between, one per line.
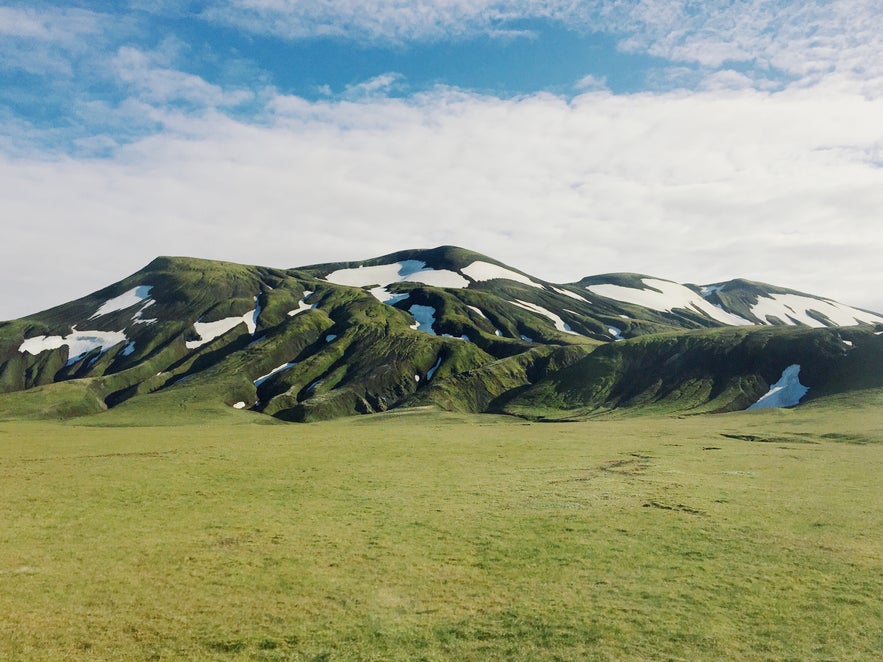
x=79, y=343
x=479, y=271
x=794, y=309
x=666, y=296
x=383, y=275
x=787, y=392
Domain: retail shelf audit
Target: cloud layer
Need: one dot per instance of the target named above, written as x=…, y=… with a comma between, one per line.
x=756, y=151
x=784, y=187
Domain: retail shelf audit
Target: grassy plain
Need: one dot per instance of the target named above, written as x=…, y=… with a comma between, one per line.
x=429, y=536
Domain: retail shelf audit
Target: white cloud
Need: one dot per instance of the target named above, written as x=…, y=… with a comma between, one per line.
x=376, y=86
x=589, y=83
x=802, y=38
x=153, y=82
x=780, y=186
x=47, y=40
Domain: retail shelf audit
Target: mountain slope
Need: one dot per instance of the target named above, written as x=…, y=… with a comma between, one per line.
x=445, y=326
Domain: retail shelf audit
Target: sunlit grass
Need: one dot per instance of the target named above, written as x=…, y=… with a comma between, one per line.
x=434, y=536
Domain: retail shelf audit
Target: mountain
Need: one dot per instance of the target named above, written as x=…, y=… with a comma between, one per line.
x=445, y=327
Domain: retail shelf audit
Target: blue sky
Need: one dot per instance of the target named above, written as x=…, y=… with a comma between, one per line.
x=696, y=141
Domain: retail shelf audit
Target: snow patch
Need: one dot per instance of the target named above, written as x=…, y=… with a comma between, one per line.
x=416, y=378
x=285, y=366
x=251, y=321
x=129, y=349
x=432, y=370
x=208, y=331
x=239, y=405
x=572, y=295
x=665, y=296
x=848, y=343
x=478, y=311
x=331, y=337
x=425, y=318
x=794, y=309
x=79, y=343
x=406, y=271
x=787, y=392
x=525, y=338
x=498, y=333
x=479, y=271
x=463, y=337
x=708, y=290
x=616, y=332
x=126, y=300
x=137, y=317
x=383, y=295
x=559, y=323
x=302, y=305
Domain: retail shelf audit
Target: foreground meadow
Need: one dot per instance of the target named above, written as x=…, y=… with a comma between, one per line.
x=433, y=536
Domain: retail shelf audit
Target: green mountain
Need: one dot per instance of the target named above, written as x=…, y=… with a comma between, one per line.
x=444, y=327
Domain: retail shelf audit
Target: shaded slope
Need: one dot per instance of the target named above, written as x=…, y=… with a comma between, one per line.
x=704, y=371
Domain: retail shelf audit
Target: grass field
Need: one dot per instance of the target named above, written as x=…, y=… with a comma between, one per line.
x=428, y=536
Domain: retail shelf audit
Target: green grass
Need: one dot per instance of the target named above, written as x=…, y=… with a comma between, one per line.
x=409, y=536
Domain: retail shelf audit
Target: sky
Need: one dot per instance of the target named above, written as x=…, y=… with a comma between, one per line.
x=695, y=141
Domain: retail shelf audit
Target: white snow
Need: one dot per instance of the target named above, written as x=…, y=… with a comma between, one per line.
x=478, y=311
x=383, y=295
x=383, y=275
x=708, y=290
x=208, y=331
x=848, y=343
x=425, y=317
x=559, y=323
x=786, y=392
x=239, y=405
x=463, y=337
x=285, y=366
x=128, y=349
x=79, y=343
x=499, y=333
x=479, y=271
x=439, y=278
x=416, y=378
x=525, y=338
x=794, y=309
x=331, y=337
x=572, y=295
x=433, y=369
x=137, y=317
x=302, y=305
x=251, y=321
x=616, y=332
x=126, y=300
x=669, y=296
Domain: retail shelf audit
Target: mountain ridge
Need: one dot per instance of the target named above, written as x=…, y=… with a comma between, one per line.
x=444, y=326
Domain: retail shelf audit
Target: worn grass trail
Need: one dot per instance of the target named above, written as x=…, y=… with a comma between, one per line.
x=433, y=536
